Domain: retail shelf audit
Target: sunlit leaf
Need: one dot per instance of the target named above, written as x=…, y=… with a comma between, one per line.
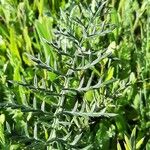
x=139, y=143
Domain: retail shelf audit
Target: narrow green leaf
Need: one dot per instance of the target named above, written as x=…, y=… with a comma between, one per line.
x=127, y=143
x=118, y=146
x=133, y=138
x=27, y=40
x=139, y=143
x=13, y=44
x=2, y=136
x=76, y=139
x=2, y=118
x=100, y=57
x=35, y=131
x=110, y=73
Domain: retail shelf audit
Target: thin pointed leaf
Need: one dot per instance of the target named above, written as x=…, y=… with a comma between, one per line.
x=75, y=107
x=94, y=62
x=139, y=143
x=65, y=138
x=76, y=139
x=35, y=131
x=90, y=80
x=81, y=83
x=83, y=107
x=133, y=138
x=127, y=143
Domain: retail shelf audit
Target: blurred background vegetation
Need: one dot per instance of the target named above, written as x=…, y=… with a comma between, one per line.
x=24, y=25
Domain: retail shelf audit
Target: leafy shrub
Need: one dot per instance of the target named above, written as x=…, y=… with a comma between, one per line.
x=68, y=98
x=74, y=77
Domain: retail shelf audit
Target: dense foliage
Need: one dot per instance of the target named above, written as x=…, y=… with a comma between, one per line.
x=74, y=74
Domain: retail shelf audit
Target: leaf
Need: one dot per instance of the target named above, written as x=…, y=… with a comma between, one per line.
x=27, y=60
x=75, y=107
x=26, y=130
x=90, y=80
x=89, y=95
x=27, y=40
x=41, y=7
x=83, y=106
x=139, y=143
x=88, y=147
x=43, y=28
x=127, y=143
x=35, y=131
x=2, y=137
x=43, y=65
x=110, y=73
x=100, y=57
x=118, y=146
x=132, y=78
x=65, y=138
x=35, y=81
x=76, y=139
x=16, y=75
x=91, y=114
x=52, y=76
x=133, y=138
x=81, y=83
x=13, y=44
x=93, y=6
x=8, y=127
x=2, y=118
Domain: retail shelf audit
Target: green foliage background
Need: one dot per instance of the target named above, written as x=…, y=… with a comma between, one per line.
x=50, y=48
